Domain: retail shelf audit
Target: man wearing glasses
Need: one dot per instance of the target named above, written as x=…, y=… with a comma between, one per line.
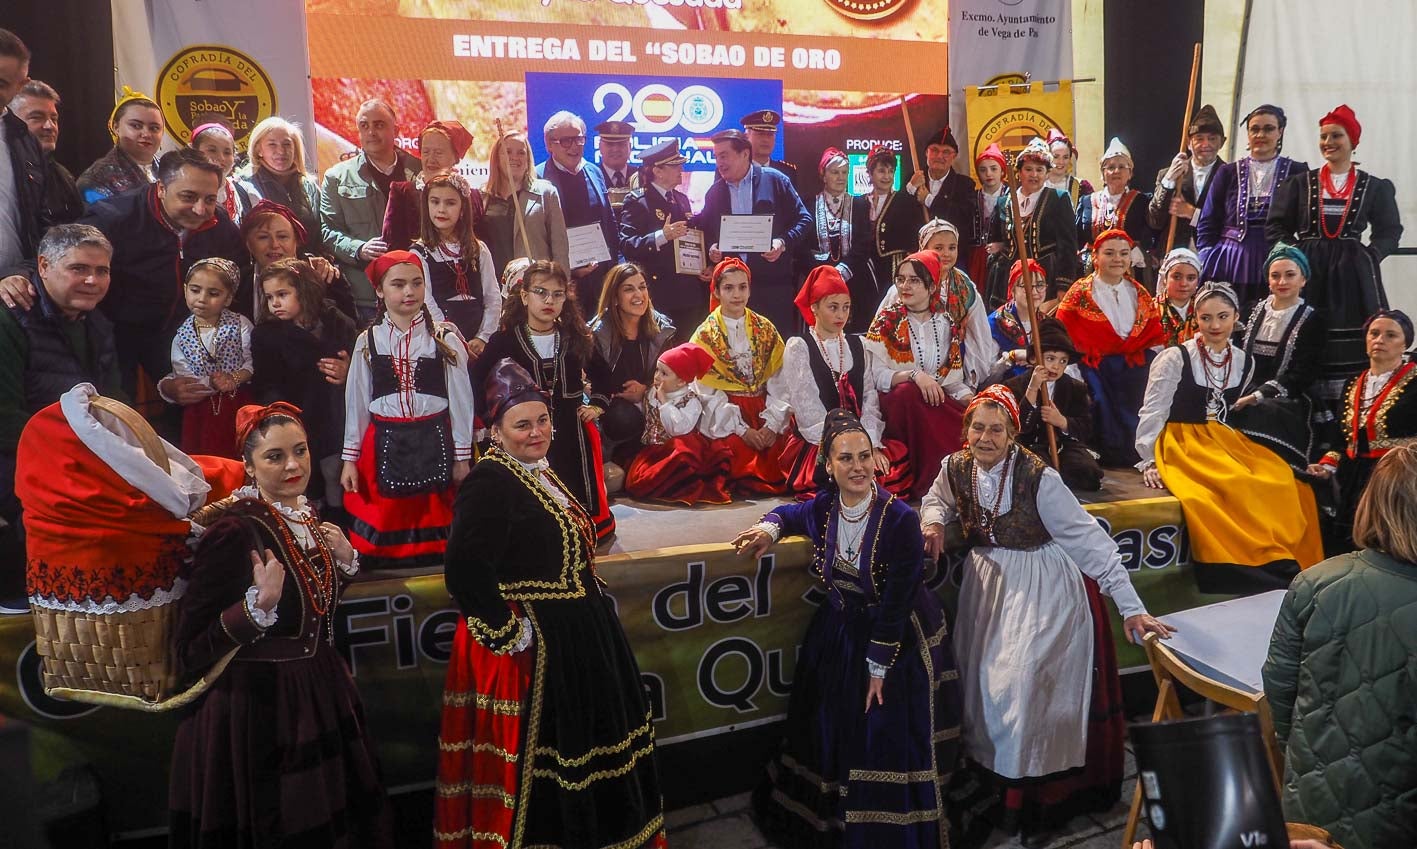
x=584, y=200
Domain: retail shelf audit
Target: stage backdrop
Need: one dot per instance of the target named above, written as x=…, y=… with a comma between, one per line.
x=1013, y=114
x=664, y=66
x=234, y=62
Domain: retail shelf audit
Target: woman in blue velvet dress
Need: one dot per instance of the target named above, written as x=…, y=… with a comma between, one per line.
x=873, y=723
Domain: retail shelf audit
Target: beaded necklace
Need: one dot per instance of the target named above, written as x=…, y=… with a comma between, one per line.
x=316, y=579
x=1215, y=403
x=918, y=351
x=989, y=515
x=841, y=354
x=851, y=532
x=1346, y=195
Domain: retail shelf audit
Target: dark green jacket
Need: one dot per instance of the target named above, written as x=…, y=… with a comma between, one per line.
x=1342, y=681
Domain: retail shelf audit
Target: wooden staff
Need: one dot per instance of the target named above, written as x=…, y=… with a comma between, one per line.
x=1033, y=318
x=1185, y=134
x=910, y=137
x=516, y=190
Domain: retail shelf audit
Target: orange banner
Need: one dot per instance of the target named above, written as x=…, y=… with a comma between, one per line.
x=383, y=48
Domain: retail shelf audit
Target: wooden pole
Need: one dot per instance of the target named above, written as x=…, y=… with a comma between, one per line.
x=1185, y=134
x=1027, y=280
x=910, y=137
x=515, y=199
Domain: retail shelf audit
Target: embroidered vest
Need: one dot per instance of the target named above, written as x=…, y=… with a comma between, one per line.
x=1019, y=528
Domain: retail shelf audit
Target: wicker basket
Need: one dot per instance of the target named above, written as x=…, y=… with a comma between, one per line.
x=106, y=650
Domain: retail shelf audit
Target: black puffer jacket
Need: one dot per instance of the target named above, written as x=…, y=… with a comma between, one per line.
x=30, y=168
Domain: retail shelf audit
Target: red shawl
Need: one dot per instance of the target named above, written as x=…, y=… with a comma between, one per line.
x=1093, y=334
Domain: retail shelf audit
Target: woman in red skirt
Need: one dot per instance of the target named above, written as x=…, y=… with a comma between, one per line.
x=679, y=463
x=214, y=346
x=546, y=737
x=408, y=424
x=747, y=352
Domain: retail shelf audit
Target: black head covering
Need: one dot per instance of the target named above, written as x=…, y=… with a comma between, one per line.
x=508, y=385
x=1053, y=336
x=838, y=421
x=1395, y=315
x=1268, y=109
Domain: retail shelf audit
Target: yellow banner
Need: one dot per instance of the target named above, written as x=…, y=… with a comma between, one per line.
x=1011, y=114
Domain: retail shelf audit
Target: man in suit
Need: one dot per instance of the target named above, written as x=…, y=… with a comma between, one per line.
x=1181, y=187
x=654, y=216
x=761, y=128
x=583, y=197
x=747, y=188
x=944, y=192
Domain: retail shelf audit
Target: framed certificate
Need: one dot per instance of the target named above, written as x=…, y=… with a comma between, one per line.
x=588, y=245
x=745, y=234
x=689, y=253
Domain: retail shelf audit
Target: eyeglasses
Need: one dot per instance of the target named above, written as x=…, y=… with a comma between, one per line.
x=569, y=141
x=548, y=295
x=912, y=280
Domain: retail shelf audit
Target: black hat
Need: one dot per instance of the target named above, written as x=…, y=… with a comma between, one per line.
x=837, y=422
x=766, y=120
x=944, y=137
x=736, y=137
x=664, y=153
x=1206, y=121
x=509, y=385
x=615, y=130
x=1053, y=336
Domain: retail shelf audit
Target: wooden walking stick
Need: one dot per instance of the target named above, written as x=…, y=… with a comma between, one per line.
x=1027, y=280
x=1185, y=134
x=515, y=199
x=910, y=137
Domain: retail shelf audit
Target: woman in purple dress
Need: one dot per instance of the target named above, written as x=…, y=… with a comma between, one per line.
x=1230, y=233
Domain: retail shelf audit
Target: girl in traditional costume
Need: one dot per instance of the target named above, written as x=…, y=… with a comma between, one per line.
x=1117, y=206
x=408, y=423
x=213, y=345
x=848, y=776
x=678, y=462
x=824, y=369
x=1325, y=213
x=1012, y=327
x=1176, y=284
x=1379, y=412
x=1049, y=228
x=747, y=352
x=136, y=127
x=1042, y=715
x=543, y=332
x=1062, y=174
x=546, y=737
x=1230, y=233
x=1252, y=525
x=215, y=141
x=1285, y=341
x=462, y=283
x=1113, y=322
x=277, y=752
x=989, y=168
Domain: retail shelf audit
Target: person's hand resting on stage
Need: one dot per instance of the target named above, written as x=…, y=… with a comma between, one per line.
x=1137, y=627
x=1151, y=476
x=753, y=542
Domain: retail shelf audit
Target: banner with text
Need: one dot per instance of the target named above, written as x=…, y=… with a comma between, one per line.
x=1012, y=115
x=235, y=64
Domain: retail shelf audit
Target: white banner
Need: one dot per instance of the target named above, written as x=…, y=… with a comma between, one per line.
x=237, y=63
x=1000, y=41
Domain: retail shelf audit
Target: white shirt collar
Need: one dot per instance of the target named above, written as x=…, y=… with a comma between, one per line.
x=580, y=166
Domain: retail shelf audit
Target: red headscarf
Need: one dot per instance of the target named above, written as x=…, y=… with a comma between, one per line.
x=249, y=417
x=1016, y=273
x=822, y=281
x=457, y=136
x=1109, y=235
x=931, y=261
x=994, y=152
x=264, y=207
x=827, y=156
x=688, y=360
x=998, y=394
x=379, y=267
x=1344, y=117
x=729, y=263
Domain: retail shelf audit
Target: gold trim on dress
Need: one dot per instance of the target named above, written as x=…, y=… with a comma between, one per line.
x=598, y=751
x=599, y=775
x=469, y=832
x=464, y=745
x=477, y=791
x=889, y=818
x=506, y=707
x=888, y=777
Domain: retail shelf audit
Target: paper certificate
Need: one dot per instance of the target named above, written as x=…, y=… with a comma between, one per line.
x=588, y=245
x=689, y=253
x=745, y=234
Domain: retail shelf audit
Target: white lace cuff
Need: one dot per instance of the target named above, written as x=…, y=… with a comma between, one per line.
x=351, y=568
x=877, y=670
x=523, y=639
x=772, y=529
x=262, y=619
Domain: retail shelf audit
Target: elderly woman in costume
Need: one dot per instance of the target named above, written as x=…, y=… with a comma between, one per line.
x=1113, y=321
x=1042, y=700
x=1117, y=206
x=1325, y=213
x=441, y=146
x=546, y=737
x=1049, y=228
x=277, y=752
x=1285, y=341
x=1379, y=412
x=1176, y=284
x=874, y=715
x=1230, y=233
x=824, y=369
x=136, y=126
x=1062, y=175
x=922, y=371
x=215, y=141
x=831, y=214
x=1252, y=525
x=747, y=352
x=885, y=225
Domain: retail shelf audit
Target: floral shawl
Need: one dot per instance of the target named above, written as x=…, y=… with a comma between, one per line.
x=892, y=331
x=766, y=346
x=1093, y=334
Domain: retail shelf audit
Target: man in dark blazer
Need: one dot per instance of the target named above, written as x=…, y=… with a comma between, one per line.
x=746, y=188
x=1189, y=175
x=945, y=193
x=584, y=201
x=654, y=216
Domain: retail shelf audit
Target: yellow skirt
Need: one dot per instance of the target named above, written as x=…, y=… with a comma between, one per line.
x=1241, y=501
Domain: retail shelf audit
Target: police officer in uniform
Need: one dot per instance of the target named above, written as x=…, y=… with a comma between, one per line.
x=761, y=128
x=654, y=215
